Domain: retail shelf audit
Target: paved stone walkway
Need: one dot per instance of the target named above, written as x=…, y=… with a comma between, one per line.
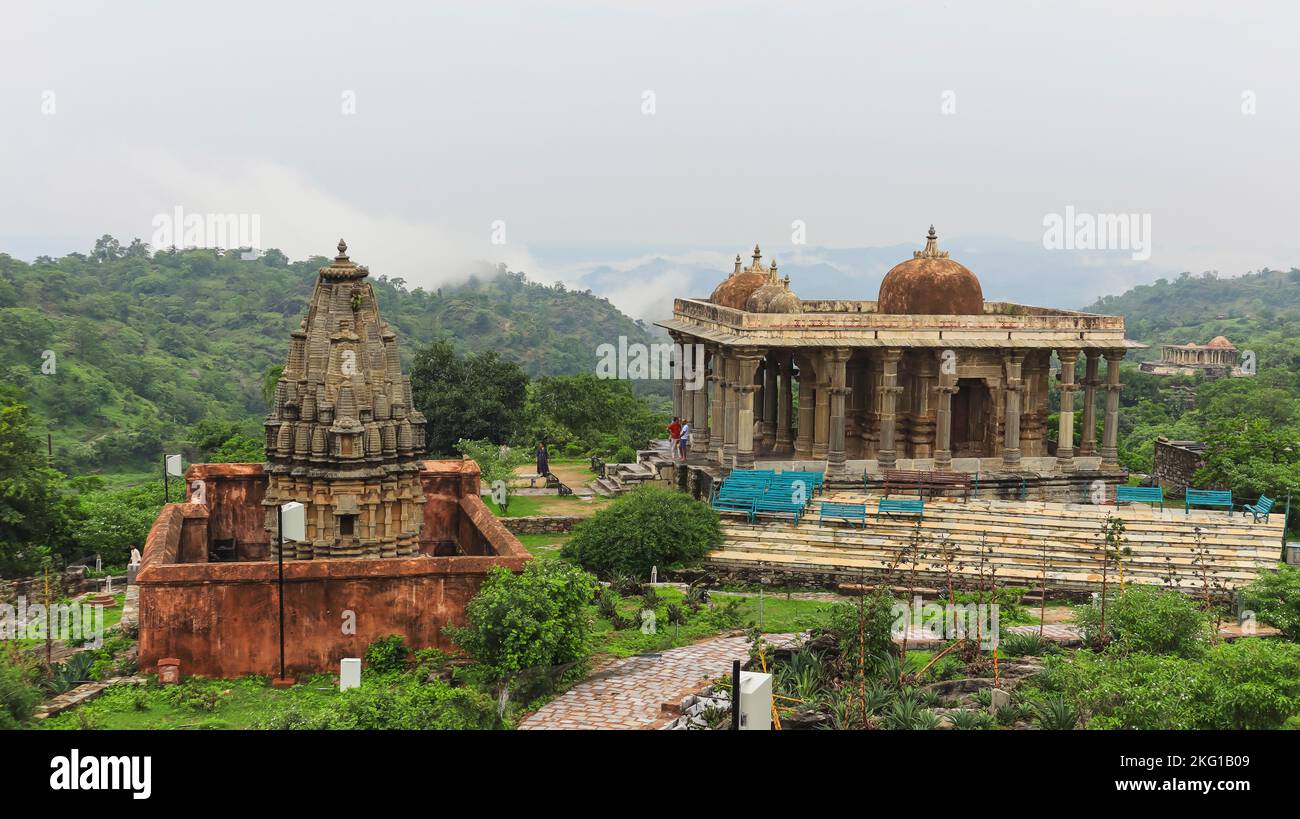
x=631, y=693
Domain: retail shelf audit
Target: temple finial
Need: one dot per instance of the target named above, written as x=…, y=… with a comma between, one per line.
x=343, y=249
x=757, y=254
x=737, y=270
x=932, y=250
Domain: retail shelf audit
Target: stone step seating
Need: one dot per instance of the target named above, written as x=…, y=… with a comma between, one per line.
x=1016, y=532
x=620, y=478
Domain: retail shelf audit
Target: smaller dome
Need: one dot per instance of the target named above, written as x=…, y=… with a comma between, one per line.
x=759, y=299
x=1221, y=342
x=735, y=290
x=786, y=301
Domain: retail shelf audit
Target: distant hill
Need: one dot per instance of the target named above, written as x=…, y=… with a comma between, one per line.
x=1255, y=311
x=144, y=346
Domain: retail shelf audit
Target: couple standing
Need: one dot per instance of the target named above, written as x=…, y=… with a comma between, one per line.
x=679, y=435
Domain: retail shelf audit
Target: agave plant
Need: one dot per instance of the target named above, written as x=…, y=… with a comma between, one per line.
x=607, y=604
x=1026, y=645
x=1056, y=714
x=984, y=697
x=970, y=720
x=878, y=697
x=907, y=714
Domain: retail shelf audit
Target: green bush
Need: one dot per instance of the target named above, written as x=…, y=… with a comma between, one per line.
x=649, y=527
x=381, y=705
x=1275, y=598
x=877, y=619
x=529, y=624
x=1142, y=619
x=1252, y=683
x=18, y=696
x=387, y=654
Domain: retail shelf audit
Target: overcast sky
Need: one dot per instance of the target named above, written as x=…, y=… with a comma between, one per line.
x=868, y=121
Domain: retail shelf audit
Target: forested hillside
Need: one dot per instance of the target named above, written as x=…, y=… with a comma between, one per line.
x=121, y=353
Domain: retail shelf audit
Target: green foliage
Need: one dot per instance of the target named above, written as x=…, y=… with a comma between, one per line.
x=864, y=628
x=1149, y=620
x=35, y=509
x=1027, y=645
x=495, y=462
x=1275, y=598
x=587, y=415
x=387, y=654
x=388, y=704
x=1251, y=683
x=1056, y=714
x=18, y=695
x=964, y=720
x=110, y=521
x=651, y=526
x=528, y=622
x=476, y=396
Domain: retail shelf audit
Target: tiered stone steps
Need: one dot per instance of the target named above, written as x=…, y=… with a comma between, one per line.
x=1017, y=536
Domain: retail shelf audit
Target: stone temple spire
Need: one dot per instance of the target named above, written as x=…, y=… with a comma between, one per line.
x=342, y=437
x=932, y=250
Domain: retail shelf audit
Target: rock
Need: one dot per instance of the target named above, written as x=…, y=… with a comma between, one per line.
x=1000, y=699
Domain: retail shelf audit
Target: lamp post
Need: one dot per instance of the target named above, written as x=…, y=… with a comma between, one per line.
x=290, y=522
x=171, y=466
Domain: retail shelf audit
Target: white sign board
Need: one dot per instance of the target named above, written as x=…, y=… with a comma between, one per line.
x=293, y=519
x=174, y=466
x=349, y=673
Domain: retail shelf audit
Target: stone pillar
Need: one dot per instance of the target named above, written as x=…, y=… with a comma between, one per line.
x=700, y=415
x=822, y=427
x=1110, y=425
x=807, y=410
x=887, y=457
x=1012, y=363
x=747, y=364
x=770, y=379
x=679, y=401
x=837, y=359
x=730, y=388
x=1065, y=433
x=785, y=405
x=943, y=417
x=1088, y=442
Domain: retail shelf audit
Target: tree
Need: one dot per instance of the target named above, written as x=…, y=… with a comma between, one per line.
x=651, y=526
x=35, y=511
x=475, y=397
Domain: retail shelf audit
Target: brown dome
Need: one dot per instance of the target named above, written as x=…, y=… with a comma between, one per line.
x=786, y=301
x=759, y=299
x=930, y=284
x=735, y=290
x=1222, y=342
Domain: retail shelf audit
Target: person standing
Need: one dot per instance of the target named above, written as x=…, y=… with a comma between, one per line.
x=684, y=439
x=543, y=459
x=674, y=434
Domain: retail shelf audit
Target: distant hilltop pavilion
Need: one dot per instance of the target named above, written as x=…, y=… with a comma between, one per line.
x=927, y=376
x=1217, y=359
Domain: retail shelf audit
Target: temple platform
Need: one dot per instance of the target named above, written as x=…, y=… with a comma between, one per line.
x=1022, y=539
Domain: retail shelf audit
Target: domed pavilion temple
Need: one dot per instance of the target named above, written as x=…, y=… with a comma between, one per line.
x=928, y=376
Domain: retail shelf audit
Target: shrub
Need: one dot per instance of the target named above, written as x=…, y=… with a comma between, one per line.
x=1142, y=619
x=1056, y=714
x=877, y=620
x=387, y=654
x=18, y=697
x=1275, y=598
x=651, y=526
x=1031, y=644
x=533, y=621
x=970, y=720
x=385, y=705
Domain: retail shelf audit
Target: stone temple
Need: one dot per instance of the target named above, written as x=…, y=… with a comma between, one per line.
x=395, y=544
x=343, y=437
x=928, y=376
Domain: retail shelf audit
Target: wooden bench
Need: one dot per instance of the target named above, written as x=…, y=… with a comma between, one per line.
x=1259, y=508
x=777, y=507
x=901, y=507
x=844, y=511
x=1140, y=494
x=744, y=506
x=1206, y=497
x=920, y=480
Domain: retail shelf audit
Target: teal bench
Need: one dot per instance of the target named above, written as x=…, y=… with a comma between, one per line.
x=1259, y=508
x=901, y=506
x=1140, y=494
x=816, y=480
x=1206, y=497
x=775, y=507
x=744, y=506
x=786, y=488
x=844, y=511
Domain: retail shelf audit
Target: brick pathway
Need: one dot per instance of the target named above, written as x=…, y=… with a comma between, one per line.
x=631, y=693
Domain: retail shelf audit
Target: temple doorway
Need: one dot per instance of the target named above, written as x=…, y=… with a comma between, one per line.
x=971, y=411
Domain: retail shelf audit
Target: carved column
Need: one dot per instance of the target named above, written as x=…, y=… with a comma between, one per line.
x=770, y=399
x=1012, y=362
x=807, y=409
x=700, y=415
x=1088, y=442
x=943, y=414
x=889, y=391
x=679, y=408
x=730, y=389
x=1065, y=432
x=747, y=364
x=822, y=425
x=837, y=360
x=1110, y=428
x=785, y=405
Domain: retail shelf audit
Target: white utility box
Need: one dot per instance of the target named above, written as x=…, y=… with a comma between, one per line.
x=755, y=701
x=349, y=673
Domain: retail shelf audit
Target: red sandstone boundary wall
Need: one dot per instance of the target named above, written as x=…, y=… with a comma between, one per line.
x=221, y=619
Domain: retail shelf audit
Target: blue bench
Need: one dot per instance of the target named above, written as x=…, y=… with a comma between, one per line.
x=1206, y=497
x=901, y=506
x=744, y=506
x=1140, y=494
x=776, y=507
x=1259, y=508
x=816, y=480
x=786, y=488
x=844, y=511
